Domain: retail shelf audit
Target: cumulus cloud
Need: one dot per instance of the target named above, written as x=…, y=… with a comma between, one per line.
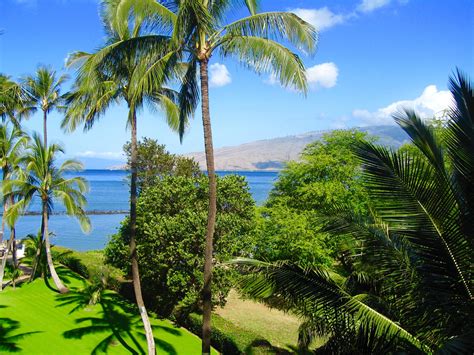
x=321, y=19
x=100, y=155
x=371, y=5
x=323, y=75
x=430, y=103
x=219, y=75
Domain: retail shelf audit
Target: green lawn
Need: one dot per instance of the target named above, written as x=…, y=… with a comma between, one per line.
x=37, y=309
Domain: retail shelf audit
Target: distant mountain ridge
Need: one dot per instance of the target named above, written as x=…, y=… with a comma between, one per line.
x=272, y=154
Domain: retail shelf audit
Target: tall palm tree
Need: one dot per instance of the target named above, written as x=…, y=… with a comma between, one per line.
x=112, y=75
x=199, y=32
x=42, y=178
x=414, y=286
x=12, y=143
x=44, y=91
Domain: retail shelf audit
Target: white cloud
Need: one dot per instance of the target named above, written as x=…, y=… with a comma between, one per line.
x=371, y=5
x=219, y=75
x=100, y=155
x=322, y=75
x=321, y=19
x=428, y=104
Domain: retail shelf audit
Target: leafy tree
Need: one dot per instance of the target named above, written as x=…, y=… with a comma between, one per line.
x=328, y=173
x=284, y=233
x=112, y=75
x=153, y=160
x=413, y=291
x=45, y=180
x=171, y=217
x=289, y=226
x=44, y=92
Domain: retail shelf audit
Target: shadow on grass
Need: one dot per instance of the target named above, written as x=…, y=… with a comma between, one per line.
x=9, y=335
x=67, y=276
x=117, y=320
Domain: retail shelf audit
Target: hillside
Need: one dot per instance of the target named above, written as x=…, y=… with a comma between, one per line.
x=271, y=154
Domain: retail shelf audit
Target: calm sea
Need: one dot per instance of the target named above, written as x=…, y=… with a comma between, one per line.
x=109, y=192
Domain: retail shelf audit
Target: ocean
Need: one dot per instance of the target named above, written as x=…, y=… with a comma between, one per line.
x=109, y=192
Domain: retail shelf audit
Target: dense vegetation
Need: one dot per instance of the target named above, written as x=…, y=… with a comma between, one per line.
x=171, y=216
x=410, y=286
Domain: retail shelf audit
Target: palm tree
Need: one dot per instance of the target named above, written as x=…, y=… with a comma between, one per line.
x=46, y=181
x=199, y=32
x=413, y=288
x=12, y=143
x=44, y=91
x=112, y=75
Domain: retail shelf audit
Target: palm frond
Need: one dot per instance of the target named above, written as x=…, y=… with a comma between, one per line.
x=276, y=26
x=264, y=55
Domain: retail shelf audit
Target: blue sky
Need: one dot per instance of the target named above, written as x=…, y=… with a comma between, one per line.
x=373, y=57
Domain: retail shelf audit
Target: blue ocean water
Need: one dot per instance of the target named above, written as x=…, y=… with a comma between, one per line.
x=109, y=191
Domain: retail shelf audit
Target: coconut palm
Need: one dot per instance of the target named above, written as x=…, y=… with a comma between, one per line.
x=113, y=75
x=199, y=32
x=46, y=181
x=414, y=286
x=12, y=143
x=44, y=92
x=14, y=102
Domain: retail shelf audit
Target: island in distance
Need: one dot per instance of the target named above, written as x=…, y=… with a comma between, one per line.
x=272, y=154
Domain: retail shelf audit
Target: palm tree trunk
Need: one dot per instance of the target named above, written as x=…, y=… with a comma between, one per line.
x=45, y=129
x=133, y=230
x=14, y=247
x=4, y=260
x=4, y=172
x=49, y=258
x=211, y=216
x=38, y=252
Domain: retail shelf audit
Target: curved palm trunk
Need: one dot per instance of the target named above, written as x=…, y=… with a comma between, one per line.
x=133, y=230
x=45, y=129
x=211, y=216
x=49, y=258
x=38, y=252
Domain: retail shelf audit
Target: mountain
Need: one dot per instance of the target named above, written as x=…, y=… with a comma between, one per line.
x=272, y=154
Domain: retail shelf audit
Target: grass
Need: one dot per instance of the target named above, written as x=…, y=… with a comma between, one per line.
x=34, y=319
x=93, y=260
x=278, y=328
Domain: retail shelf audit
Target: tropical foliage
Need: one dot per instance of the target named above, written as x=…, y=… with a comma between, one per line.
x=171, y=217
x=412, y=286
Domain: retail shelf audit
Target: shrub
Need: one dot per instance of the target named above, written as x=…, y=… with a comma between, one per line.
x=171, y=229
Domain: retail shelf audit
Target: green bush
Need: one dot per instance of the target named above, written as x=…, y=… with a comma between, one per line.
x=171, y=229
